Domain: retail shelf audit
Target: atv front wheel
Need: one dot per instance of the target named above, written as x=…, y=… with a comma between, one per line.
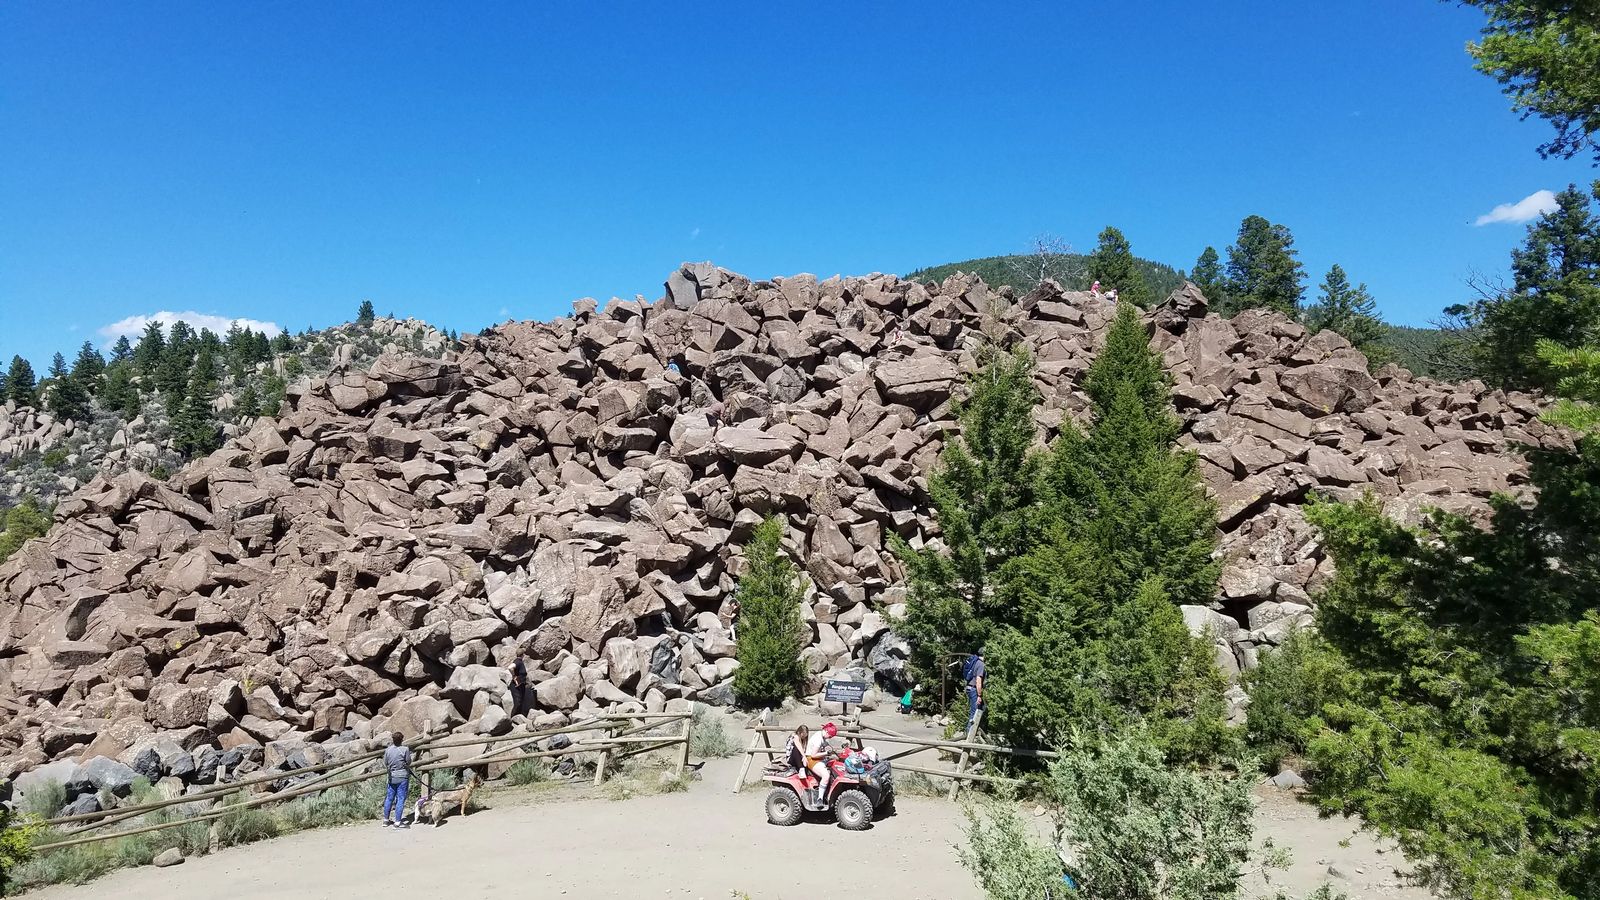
x=886, y=806
x=853, y=810
x=783, y=807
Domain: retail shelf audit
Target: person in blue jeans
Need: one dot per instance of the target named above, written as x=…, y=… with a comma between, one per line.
x=397, y=761
x=975, y=673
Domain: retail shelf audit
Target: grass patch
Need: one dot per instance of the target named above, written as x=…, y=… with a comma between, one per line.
x=358, y=802
x=916, y=784
x=245, y=825
x=708, y=737
x=45, y=800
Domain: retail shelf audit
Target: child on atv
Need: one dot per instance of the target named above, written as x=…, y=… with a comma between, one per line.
x=817, y=758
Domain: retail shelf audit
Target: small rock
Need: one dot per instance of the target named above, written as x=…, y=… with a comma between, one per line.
x=169, y=857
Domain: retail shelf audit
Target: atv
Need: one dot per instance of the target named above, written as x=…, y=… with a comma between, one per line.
x=853, y=799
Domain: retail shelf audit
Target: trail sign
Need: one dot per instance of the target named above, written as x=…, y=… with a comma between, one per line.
x=845, y=692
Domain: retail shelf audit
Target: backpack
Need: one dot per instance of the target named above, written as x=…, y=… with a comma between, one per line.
x=969, y=669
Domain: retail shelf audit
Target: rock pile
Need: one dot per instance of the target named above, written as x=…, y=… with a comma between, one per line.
x=373, y=559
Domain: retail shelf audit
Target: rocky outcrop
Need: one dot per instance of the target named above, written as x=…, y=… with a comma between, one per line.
x=580, y=489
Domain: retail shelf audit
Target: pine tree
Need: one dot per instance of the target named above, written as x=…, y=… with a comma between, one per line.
x=1350, y=311
x=1207, y=276
x=771, y=632
x=1555, y=295
x=272, y=391
x=89, y=367
x=21, y=386
x=151, y=350
x=1112, y=264
x=1127, y=534
x=1263, y=270
x=118, y=393
x=172, y=375
x=122, y=350
x=194, y=424
x=365, y=314
x=58, y=366
x=69, y=399
x=982, y=493
x=248, y=405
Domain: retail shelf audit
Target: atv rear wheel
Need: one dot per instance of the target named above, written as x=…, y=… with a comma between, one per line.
x=783, y=806
x=853, y=810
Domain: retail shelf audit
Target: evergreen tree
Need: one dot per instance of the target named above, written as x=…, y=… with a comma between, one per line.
x=1112, y=264
x=122, y=350
x=58, y=366
x=1263, y=270
x=272, y=391
x=1350, y=311
x=21, y=386
x=1555, y=295
x=172, y=376
x=283, y=343
x=771, y=633
x=194, y=424
x=119, y=393
x=249, y=403
x=20, y=523
x=1544, y=54
x=150, y=352
x=69, y=399
x=89, y=367
x=365, y=315
x=982, y=492
x=1207, y=276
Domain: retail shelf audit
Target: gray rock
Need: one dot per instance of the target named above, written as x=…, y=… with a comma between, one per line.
x=171, y=856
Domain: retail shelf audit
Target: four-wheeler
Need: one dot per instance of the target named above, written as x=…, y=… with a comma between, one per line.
x=854, y=799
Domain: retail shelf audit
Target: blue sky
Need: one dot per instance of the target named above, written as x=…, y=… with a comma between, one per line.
x=281, y=162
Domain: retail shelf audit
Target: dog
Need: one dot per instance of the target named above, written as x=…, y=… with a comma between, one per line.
x=437, y=804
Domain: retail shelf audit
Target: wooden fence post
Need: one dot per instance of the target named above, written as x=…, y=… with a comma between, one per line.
x=961, y=764
x=688, y=730
x=605, y=757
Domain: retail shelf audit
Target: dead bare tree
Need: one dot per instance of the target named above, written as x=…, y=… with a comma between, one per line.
x=1049, y=257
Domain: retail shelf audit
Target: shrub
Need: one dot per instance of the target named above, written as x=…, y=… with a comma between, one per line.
x=708, y=738
x=528, y=771
x=45, y=800
x=244, y=825
x=350, y=803
x=771, y=632
x=1287, y=693
x=16, y=844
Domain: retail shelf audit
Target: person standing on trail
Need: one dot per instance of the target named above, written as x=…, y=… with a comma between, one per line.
x=397, y=761
x=519, y=684
x=974, y=673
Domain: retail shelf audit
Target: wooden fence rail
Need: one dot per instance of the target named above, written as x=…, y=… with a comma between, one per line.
x=858, y=733
x=625, y=736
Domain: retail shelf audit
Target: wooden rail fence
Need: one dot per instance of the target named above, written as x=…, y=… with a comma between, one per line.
x=625, y=735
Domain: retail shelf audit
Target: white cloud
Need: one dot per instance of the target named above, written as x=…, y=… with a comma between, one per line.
x=133, y=326
x=1525, y=210
x=695, y=233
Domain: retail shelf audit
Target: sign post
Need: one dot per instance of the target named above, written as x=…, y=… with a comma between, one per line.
x=846, y=692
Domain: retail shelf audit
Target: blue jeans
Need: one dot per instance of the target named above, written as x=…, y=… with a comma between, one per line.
x=395, y=799
x=972, y=705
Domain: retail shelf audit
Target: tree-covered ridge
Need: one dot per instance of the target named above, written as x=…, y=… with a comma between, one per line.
x=995, y=271
x=168, y=396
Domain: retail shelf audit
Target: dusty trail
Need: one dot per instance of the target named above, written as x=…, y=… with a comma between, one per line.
x=706, y=842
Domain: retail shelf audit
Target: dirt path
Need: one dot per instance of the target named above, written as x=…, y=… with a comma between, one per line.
x=703, y=843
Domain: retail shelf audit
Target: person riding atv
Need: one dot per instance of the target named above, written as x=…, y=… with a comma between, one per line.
x=858, y=785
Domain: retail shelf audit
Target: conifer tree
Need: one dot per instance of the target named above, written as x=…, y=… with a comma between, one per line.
x=89, y=367
x=1112, y=264
x=21, y=386
x=1263, y=270
x=771, y=632
x=58, y=366
x=122, y=350
x=151, y=350
x=1555, y=295
x=118, y=393
x=272, y=391
x=1350, y=311
x=1207, y=276
x=194, y=425
x=365, y=314
x=248, y=405
x=982, y=492
x=69, y=399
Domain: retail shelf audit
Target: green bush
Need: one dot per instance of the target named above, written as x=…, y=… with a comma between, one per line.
x=244, y=825
x=771, y=632
x=528, y=771
x=357, y=802
x=16, y=845
x=45, y=800
x=1288, y=691
x=708, y=738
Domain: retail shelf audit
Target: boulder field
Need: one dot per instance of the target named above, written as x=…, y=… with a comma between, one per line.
x=373, y=558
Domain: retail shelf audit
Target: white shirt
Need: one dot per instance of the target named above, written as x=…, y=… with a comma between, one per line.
x=817, y=747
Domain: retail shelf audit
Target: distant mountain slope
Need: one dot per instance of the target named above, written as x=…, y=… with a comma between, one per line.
x=998, y=270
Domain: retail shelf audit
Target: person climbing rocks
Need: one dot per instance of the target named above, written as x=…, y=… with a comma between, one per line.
x=520, y=700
